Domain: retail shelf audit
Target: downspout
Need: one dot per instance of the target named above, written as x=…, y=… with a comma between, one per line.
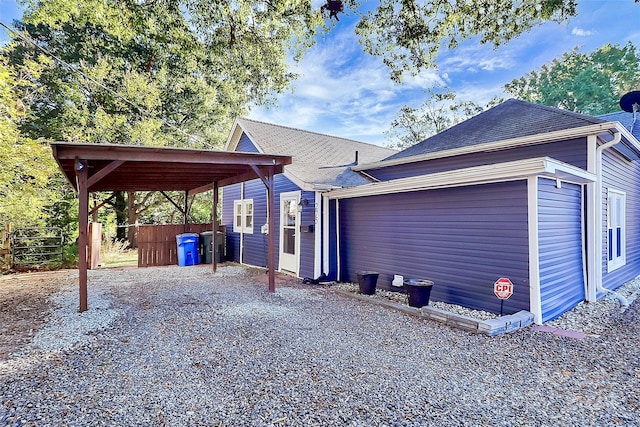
x=617, y=136
x=317, y=229
x=338, y=240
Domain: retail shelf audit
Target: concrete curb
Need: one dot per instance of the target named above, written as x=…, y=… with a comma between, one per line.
x=501, y=325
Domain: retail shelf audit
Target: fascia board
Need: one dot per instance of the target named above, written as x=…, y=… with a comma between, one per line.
x=629, y=137
x=305, y=186
x=499, y=145
x=234, y=138
x=566, y=172
x=498, y=172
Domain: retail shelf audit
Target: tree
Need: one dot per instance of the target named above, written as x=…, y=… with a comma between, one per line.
x=25, y=164
x=586, y=83
x=188, y=67
x=408, y=34
x=438, y=112
x=162, y=72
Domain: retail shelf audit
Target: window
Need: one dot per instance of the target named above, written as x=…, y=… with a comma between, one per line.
x=243, y=216
x=616, y=238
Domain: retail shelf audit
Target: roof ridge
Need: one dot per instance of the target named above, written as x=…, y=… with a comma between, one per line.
x=315, y=133
x=586, y=117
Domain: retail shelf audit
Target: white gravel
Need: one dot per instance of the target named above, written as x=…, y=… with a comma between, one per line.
x=589, y=318
x=178, y=346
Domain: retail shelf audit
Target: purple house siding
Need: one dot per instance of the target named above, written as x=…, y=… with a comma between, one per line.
x=623, y=175
x=332, y=262
x=560, y=247
x=254, y=245
x=245, y=145
x=307, y=246
x=307, y=237
x=231, y=193
x=463, y=239
x=573, y=152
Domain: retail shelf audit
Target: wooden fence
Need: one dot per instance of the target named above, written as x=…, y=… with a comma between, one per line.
x=157, y=243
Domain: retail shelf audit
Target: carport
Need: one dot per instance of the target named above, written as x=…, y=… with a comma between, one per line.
x=108, y=167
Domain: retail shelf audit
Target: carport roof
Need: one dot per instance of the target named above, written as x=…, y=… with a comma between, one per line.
x=113, y=167
x=108, y=167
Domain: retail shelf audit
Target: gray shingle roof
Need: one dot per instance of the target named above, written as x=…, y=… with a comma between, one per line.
x=511, y=119
x=312, y=152
x=626, y=119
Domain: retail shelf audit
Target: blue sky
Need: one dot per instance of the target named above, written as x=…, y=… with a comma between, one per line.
x=344, y=92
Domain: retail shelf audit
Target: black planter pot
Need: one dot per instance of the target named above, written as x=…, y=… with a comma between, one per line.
x=367, y=282
x=418, y=291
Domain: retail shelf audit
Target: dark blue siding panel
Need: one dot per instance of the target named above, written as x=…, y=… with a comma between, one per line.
x=560, y=242
x=254, y=246
x=463, y=239
x=245, y=145
x=333, y=257
x=623, y=175
x=307, y=238
x=573, y=152
x=229, y=194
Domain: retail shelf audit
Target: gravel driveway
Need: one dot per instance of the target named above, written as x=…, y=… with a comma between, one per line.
x=182, y=347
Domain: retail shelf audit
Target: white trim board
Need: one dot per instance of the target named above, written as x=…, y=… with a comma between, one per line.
x=497, y=172
x=535, y=300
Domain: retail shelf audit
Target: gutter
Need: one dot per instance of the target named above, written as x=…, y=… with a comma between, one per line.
x=475, y=175
x=617, y=137
x=498, y=145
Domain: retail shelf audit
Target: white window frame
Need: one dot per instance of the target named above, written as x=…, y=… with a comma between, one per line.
x=246, y=219
x=616, y=213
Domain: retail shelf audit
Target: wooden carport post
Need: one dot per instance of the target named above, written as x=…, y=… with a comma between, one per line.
x=214, y=227
x=82, y=173
x=267, y=180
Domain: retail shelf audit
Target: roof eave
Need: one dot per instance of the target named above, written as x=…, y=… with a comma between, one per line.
x=539, y=138
x=498, y=172
x=630, y=143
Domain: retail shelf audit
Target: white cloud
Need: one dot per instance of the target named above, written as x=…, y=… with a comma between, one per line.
x=474, y=58
x=581, y=32
x=343, y=92
x=479, y=94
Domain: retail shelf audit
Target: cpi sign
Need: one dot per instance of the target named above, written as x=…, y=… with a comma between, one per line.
x=503, y=288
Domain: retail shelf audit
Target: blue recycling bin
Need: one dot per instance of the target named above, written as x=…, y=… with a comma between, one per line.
x=187, y=249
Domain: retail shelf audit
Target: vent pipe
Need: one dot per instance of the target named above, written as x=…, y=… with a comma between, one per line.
x=630, y=102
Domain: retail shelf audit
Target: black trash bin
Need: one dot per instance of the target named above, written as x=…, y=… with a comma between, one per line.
x=206, y=238
x=220, y=246
x=367, y=282
x=418, y=291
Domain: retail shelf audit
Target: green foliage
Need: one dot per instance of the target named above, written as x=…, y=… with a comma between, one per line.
x=162, y=72
x=26, y=165
x=166, y=213
x=586, y=83
x=408, y=34
x=189, y=65
x=438, y=112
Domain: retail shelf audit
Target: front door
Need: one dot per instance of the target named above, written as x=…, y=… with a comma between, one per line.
x=289, y=232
